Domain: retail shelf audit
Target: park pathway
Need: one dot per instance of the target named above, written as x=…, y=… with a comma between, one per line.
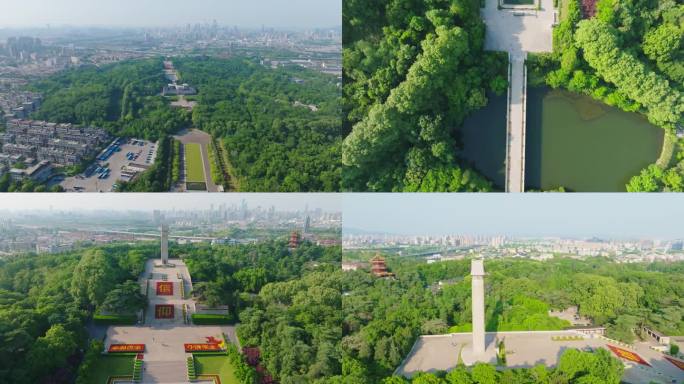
x=515, y=152
x=517, y=31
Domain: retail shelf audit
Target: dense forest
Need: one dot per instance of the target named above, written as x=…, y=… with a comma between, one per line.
x=383, y=317
x=288, y=302
x=280, y=128
x=125, y=98
x=630, y=54
x=317, y=324
x=412, y=72
x=275, y=142
x=46, y=301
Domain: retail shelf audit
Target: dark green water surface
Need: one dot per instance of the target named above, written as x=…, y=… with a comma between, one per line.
x=571, y=141
x=585, y=145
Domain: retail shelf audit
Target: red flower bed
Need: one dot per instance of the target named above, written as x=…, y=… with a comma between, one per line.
x=164, y=288
x=202, y=348
x=163, y=311
x=628, y=355
x=126, y=348
x=212, y=340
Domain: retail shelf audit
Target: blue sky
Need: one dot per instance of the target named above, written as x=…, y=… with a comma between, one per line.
x=615, y=215
x=243, y=13
x=150, y=201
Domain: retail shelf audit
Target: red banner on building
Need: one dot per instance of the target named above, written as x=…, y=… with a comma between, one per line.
x=164, y=288
x=126, y=348
x=202, y=348
x=628, y=355
x=678, y=363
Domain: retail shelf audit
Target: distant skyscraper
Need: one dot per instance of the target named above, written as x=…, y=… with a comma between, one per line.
x=307, y=224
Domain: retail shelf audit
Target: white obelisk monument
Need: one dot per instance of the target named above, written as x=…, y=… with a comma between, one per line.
x=477, y=273
x=164, y=244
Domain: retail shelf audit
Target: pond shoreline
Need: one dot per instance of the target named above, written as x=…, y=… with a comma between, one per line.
x=573, y=141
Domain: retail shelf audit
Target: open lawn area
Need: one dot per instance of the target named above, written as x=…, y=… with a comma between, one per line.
x=193, y=163
x=216, y=365
x=109, y=365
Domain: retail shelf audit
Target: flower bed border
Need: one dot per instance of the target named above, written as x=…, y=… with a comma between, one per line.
x=628, y=355
x=134, y=348
x=205, y=347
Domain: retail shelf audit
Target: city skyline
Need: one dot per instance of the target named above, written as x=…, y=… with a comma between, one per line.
x=164, y=13
x=533, y=215
x=149, y=202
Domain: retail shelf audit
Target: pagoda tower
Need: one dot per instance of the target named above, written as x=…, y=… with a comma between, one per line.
x=294, y=240
x=379, y=267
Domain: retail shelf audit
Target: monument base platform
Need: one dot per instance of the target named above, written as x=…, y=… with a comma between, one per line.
x=167, y=265
x=489, y=355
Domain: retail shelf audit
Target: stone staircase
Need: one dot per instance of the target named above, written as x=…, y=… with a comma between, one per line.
x=169, y=372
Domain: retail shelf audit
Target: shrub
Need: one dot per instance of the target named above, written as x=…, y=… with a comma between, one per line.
x=115, y=319
x=94, y=349
x=243, y=371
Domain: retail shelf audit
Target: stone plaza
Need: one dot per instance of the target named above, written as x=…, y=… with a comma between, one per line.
x=164, y=338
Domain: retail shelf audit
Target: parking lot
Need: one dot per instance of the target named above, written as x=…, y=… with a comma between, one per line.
x=120, y=161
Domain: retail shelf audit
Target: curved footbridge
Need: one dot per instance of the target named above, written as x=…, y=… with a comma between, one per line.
x=518, y=30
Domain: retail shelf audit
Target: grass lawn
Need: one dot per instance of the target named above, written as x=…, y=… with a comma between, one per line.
x=109, y=365
x=216, y=365
x=193, y=163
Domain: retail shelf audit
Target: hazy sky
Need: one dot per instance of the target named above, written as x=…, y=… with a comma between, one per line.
x=150, y=201
x=244, y=13
x=659, y=216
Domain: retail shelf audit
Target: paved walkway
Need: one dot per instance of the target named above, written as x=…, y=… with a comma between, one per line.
x=515, y=170
x=164, y=358
x=517, y=32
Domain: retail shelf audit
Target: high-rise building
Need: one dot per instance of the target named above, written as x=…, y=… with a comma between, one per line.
x=307, y=224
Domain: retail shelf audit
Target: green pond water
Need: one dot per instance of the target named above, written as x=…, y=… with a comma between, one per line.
x=484, y=140
x=571, y=141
